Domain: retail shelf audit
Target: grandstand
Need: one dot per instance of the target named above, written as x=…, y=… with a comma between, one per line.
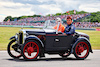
x=39, y=21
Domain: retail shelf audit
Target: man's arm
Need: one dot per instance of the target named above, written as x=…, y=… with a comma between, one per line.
x=62, y=29
x=72, y=30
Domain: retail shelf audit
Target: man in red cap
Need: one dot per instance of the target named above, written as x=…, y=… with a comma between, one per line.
x=70, y=29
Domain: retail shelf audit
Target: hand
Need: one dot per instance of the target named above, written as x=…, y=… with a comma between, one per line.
x=64, y=34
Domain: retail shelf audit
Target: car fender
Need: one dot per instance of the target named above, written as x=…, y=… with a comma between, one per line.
x=13, y=38
x=32, y=37
x=82, y=38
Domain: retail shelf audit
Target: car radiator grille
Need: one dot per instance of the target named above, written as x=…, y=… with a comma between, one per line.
x=20, y=38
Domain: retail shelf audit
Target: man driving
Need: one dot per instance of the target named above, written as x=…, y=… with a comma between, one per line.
x=70, y=29
x=61, y=27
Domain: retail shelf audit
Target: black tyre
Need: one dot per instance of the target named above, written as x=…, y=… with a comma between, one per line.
x=81, y=50
x=12, y=49
x=30, y=50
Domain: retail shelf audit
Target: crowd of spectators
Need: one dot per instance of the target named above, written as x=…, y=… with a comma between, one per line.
x=86, y=24
x=44, y=18
x=23, y=23
x=34, y=21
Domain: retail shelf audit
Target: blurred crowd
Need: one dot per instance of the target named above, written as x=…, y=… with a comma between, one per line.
x=86, y=24
x=22, y=23
x=44, y=18
x=34, y=21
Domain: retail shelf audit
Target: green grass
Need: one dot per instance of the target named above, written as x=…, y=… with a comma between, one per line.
x=7, y=32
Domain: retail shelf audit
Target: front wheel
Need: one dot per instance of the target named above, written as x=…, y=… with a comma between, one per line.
x=30, y=50
x=81, y=50
x=13, y=50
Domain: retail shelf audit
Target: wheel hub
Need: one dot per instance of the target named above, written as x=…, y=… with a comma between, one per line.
x=30, y=50
x=81, y=49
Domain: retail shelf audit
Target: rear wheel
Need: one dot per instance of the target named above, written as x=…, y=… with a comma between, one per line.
x=81, y=50
x=30, y=50
x=13, y=50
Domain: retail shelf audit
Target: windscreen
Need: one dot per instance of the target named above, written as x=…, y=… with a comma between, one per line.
x=49, y=24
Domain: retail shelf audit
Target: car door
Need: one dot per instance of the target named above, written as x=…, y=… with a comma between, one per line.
x=56, y=42
x=62, y=41
x=49, y=42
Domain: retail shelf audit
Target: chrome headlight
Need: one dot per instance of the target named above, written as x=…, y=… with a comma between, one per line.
x=16, y=36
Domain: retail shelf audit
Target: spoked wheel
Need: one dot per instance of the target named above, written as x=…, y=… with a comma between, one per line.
x=81, y=50
x=13, y=50
x=30, y=50
x=65, y=54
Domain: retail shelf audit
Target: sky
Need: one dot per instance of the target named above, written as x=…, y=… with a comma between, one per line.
x=16, y=8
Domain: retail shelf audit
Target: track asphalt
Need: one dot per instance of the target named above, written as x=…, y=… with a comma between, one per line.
x=93, y=60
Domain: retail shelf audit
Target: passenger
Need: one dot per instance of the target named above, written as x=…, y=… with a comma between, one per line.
x=70, y=29
x=61, y=27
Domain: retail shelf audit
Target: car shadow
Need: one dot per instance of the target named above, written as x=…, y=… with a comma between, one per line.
x=47, y=59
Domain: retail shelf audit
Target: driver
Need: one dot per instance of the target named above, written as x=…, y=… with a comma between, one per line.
x=61, y=27
x=70, y=29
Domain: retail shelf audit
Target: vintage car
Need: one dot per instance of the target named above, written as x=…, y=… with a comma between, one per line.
x=35, y=43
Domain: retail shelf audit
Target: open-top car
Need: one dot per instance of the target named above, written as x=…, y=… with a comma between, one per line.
x=34, y=43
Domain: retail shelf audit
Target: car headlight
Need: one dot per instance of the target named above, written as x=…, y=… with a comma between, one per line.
x=16, y=36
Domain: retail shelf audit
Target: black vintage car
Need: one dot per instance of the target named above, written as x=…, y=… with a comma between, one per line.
x=34, y=43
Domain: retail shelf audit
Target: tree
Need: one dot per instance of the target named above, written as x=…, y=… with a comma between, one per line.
x=8, y=17
x=57, y=14
x=95, y=17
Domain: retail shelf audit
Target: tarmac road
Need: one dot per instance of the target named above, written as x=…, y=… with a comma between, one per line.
x=93, y=60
